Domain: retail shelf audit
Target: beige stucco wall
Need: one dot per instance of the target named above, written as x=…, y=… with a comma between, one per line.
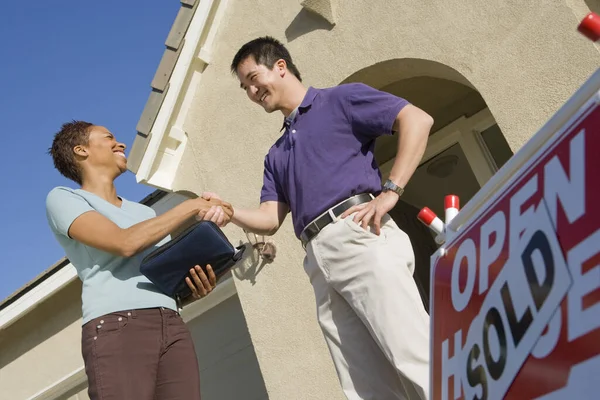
x=524, y=57
x=42, y=347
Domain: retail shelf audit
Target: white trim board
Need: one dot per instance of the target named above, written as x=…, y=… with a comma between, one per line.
x=224, y=290
x=62, y=386
x=38, y=294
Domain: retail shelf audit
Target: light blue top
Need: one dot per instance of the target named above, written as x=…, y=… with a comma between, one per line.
x=110, y=283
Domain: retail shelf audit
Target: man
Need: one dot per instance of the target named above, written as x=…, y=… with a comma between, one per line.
x=134, y=343
x=360, y=263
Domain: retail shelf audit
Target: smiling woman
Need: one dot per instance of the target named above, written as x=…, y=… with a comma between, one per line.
x=100, y=149
x=132, y=334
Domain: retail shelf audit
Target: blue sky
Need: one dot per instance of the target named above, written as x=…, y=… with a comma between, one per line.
x=63, y=60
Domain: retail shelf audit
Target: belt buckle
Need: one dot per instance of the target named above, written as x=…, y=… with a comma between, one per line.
x=333, y=219
x=308, y=228
x=303, y=241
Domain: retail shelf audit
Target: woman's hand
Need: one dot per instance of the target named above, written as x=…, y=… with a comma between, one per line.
x=199, y=283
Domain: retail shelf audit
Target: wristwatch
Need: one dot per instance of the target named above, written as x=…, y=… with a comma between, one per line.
x=389, y=185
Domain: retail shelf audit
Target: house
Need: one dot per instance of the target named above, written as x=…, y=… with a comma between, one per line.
x=489, y=73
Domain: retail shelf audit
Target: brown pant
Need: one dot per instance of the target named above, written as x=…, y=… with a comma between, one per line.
x=143, y=354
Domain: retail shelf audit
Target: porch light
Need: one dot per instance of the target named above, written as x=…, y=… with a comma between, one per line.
x=443, y=167
x=266, y=249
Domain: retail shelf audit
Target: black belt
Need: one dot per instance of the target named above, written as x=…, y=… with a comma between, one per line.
x=318, y=224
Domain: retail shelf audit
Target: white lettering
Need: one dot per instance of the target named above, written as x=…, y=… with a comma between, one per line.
x=451, y=366
x=582, y=321
x=490, y=252
x=520, y=303
x=465, y=251
x=569, y=190
x=521, y=220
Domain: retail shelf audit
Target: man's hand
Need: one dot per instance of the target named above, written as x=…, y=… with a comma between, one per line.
x=216, y=210
x=371, y=213
x=199, y=283
x=216, y=215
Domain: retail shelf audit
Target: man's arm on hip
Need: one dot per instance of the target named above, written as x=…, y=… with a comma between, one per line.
x=413, y=126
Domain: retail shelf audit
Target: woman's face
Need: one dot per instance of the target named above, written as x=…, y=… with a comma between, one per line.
x=103, y=152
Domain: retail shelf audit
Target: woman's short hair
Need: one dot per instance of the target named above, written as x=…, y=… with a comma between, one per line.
x=71, y=134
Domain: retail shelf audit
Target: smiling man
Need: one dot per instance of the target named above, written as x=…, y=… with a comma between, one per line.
x=359, y=262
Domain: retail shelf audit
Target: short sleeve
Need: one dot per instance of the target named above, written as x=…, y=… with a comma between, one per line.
x=271, y=189
x=63, y=206
x=371, y=112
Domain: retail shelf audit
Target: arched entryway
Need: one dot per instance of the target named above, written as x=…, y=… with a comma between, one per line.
x=466, y=146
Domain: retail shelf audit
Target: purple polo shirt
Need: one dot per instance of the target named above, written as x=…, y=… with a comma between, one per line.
x=326, y=153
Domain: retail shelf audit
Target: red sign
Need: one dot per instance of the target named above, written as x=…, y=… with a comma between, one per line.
x=516, y=296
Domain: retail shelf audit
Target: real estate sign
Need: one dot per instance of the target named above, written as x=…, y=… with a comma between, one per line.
x=516, y=293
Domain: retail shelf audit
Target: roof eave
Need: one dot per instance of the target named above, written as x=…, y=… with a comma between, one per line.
x=153, y=159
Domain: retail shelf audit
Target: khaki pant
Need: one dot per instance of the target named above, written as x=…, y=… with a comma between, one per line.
x=370, y=310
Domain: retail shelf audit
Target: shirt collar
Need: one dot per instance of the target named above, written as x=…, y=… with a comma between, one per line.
x=287, y=121
x=310, y=95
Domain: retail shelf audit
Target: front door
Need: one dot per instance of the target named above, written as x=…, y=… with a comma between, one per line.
x=459, y=159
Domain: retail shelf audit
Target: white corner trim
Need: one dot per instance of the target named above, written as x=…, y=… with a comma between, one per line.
x=164, y=119
x=222, y=292
x=205, y=53
x=36, y=295
x=62, y=386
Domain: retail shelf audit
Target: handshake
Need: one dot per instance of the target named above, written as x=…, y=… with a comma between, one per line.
x=210, y=207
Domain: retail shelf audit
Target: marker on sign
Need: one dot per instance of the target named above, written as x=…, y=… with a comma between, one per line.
x=590, y=27
x=428, y=217
x=451, y=205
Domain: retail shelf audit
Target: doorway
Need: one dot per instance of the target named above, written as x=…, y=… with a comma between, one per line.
x=464, y=151
x=460, y=158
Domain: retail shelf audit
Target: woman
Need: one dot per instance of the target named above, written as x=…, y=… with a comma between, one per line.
x=134, y=343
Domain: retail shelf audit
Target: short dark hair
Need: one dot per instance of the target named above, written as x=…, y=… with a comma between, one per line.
x=71, y=134
x=265, y=51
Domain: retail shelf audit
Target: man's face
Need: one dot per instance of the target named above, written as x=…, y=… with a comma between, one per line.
x=262, y=85
x=103, y=150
